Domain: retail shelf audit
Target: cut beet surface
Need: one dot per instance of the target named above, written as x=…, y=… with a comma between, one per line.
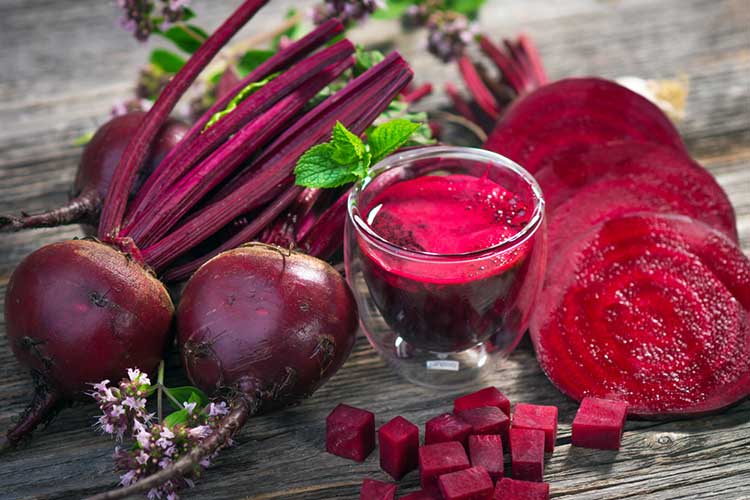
x=489, y=396
x=399, y=447
x=487, y=451
x=377, y=490
x=543, y=418
x=599, y=423
x=350, y=432
x=438, y=459
x=527, y=454
x=446, y=427
x=421, y=495
x=486, y=420
x=650, y=310
x=513, y=489
x=574, y=113
x=468, y=484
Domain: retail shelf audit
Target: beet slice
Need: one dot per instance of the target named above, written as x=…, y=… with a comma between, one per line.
x=468, y=484
x=377, y=490
x=671, y=171
x=350, y=432
x=573, y=113
x=652, y=310
x=487, y=451
x=527, y=454
x=446, y=427
x=599, y=423
x=399, y=447
x=489, y=396
x=543, y=418
x=513, y=489
x=486, y=420
x=438, y=459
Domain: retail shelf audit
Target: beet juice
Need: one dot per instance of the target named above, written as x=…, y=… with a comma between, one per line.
x=445, y=256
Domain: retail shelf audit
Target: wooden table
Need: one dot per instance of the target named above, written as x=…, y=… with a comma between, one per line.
x=63, y=63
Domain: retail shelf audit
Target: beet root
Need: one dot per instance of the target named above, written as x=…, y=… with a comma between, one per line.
x=95, y=169
x=78, y=312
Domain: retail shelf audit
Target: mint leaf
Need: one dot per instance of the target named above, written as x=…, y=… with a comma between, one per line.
x=241, y=96
x=83, y=139
x=186, y=36
x=317, y=168
x=187, y=394
x=167, y=61
x=387, y=138
x=365, y=59
x=178, y=417
x=469, y=8
x=347, y=147
x=251, y=60
x=187, y=14
x=393, y=9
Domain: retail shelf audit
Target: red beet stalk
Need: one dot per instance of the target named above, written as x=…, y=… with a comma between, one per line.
x=482, y=95
x=461, y=105
x=417, y=94
x=284, y=229
x=138, y=148
x=326, y=236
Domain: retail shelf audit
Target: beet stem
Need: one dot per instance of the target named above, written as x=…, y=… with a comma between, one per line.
x=535, y=60
x=44, y=404
x=138, y=147
x=418, y=94
x=478, y=89
x=77, y=210
x=326, y=236
x=461, y=105
x=505, y=64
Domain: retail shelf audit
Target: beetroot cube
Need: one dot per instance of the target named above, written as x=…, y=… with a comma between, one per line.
x=420, y=495
x=527, y=454
x=467, y=484
x=486, y=420
x=350, y=432
x=438, y=459
x=377, y=490
x=399, y=447
x=487, y=451
x=543, y=418
x=489, y=396
x=446, y=427
x=598, y=424
x=512, y=489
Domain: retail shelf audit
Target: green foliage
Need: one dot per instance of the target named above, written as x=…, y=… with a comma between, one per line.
x=251, y=60
x=366, y=59
x=236, y=100
x=167, y=61
x=187, y=37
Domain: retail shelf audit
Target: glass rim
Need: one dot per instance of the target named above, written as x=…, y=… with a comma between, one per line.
x=394, y=161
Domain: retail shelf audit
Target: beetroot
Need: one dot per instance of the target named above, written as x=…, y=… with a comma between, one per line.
x=421, y=495
x=350, y=432
x=599, y=423
x=513, y=489
x=527, y=454
x=95, y=170
x=469, y=484
x=489, y=396
x=108, y=314
x=649, y=310
x=438, y=459
x=487, y=451
x=399, y=447
x=486, y=420
x=377, y=490
x=574, y=113
x=543, y=418
x=446, y=427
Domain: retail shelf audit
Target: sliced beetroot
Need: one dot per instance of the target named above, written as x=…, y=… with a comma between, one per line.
x=377, y=490
x=513, y=489
x=574, y=113
x=399, y=447
x=599, y=423
x=350, y=432
x=486, y=420
x=527, y=454
x=421, y=495
x=672, y=171
x=489, y=396
x=651, y=310
x=473, y=483
x=438, y=459
x=486, y=450
x=446, y=427
x=543, y=418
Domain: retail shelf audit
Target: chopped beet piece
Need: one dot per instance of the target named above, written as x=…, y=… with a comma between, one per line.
x=489, y=396
x=420, y=495
x=487, y=451
x=527, y=454
x=350, y=432
x=543, y=418
x=467, y=484
x=513, y=489
x=377, y=490
x=399, y=447
x=598, y=424
x=438, y=459
x=446, y=427
x=486, y=420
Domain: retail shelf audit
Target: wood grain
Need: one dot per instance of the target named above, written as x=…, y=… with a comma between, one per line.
x=64, y=64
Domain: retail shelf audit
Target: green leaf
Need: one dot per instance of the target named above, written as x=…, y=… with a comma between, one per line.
x=83, y=139
x=187, y=394
x=394, y=9
x=317, y=168
x=366, y=59
x=187, y=37
x=167, y=61
x=187, y=14
x=178, y=417
x=252, y=59
x=236, y=100
x=387, y=138
x=347, y=147
x=469, y=8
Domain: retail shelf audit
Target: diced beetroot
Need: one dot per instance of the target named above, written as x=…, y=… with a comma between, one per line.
x=446, y=427
x=421, y=495
x=350, y=432
x=513, y=489
x=486, y=420
x=468, y=484
x=543, y=418
x=489, y=396
x=438, y=459
x=527, y=454
x=487, y=451
x=399, y=447
x=599, y=423
x=377, y=490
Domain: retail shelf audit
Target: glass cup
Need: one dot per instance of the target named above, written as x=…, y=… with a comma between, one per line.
x=444, y=320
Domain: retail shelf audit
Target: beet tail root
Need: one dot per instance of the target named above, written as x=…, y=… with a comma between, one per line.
x=78, y=210
x=43, y=407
